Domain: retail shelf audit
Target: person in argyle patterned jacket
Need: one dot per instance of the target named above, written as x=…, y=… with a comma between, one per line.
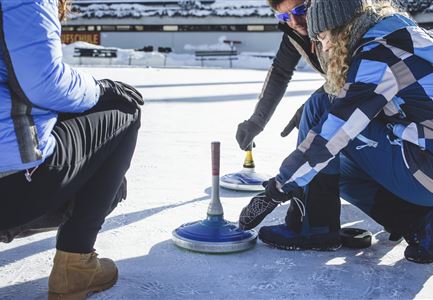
x=377, y=133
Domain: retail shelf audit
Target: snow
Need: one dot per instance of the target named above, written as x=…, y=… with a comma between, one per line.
x=195, y=8
x=169, y=184
x=137, y=9
x=219, y=46
x=131, y=57
x=126, y=57
x=415, y=5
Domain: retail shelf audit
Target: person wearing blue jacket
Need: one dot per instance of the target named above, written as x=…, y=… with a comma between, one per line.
x=376, y=133
x=66, y=142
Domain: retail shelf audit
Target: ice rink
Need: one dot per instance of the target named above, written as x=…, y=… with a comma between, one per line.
x=170, y=184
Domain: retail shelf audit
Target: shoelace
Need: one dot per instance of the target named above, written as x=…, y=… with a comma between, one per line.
x=301, y=207
x=298, y=202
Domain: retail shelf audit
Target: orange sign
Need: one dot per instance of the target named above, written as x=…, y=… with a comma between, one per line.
x=89, y=37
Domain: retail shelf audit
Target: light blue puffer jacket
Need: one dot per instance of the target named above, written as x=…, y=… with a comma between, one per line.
x=35, y=85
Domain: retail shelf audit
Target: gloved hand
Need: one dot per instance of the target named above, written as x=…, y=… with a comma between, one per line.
x=119, y=91
x=294, y=122
x=247, y=131
x=261, y=205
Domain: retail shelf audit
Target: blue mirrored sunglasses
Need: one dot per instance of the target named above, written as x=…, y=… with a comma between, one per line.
x=299, y=10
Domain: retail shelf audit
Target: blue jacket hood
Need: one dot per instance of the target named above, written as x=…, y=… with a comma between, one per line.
x=394, y=29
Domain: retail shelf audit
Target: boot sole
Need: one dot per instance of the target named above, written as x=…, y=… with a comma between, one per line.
x=322, y=247
x=420, y=261
x=82, y=295
x=416, y=255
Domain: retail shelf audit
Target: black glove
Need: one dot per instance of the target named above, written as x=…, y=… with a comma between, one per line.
x=119, y=91
x=294, y=122
x=261, y=205
x=247, y=131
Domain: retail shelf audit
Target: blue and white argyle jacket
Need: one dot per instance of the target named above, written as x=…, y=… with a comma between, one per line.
x=391, y=78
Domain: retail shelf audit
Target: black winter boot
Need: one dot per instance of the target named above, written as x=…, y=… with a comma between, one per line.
x=420, y=240
x=395, y=214
x=313, y=218
x=403, y=219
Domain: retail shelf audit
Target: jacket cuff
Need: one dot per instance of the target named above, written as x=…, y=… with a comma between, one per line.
x=258, y=121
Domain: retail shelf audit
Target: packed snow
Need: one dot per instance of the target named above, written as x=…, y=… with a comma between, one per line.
x=170, y=184
x=196, y=8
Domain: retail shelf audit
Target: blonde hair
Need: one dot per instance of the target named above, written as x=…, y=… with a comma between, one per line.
x=63, y=7
x=338, y=59
x=339, y=56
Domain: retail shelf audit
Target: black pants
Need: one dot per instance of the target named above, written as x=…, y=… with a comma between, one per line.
x=82, y=177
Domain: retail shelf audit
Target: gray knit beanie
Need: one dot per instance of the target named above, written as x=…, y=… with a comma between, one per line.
x=326, y=15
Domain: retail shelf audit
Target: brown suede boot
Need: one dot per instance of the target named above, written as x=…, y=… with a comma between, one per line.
x=75, y=275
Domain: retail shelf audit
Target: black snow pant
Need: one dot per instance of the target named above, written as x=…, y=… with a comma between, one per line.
x=80, y=183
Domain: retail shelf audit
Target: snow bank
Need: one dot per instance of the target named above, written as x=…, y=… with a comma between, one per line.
x=131, y=57
x=185, y=8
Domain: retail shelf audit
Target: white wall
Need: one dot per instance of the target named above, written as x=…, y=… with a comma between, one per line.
x=251, y=41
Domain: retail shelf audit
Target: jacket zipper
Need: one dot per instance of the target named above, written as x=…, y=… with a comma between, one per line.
x=367, y=141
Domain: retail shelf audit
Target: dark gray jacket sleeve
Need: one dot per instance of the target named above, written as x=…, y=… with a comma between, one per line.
x=275, y=85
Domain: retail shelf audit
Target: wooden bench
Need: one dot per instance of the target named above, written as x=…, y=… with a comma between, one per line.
x=145, y=49
x=95, y=52
x=216, y=55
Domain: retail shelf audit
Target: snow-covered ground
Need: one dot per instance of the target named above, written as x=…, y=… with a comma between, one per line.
x=131, y=57
x=155, y=59
x=169, y=184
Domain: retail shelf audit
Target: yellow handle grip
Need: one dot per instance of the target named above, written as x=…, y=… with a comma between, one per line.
x=249, y=161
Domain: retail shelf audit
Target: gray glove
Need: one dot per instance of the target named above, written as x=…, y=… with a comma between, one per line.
x=261, y=205
x=247, y=131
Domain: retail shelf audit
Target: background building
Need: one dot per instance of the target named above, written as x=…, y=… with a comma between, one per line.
x=188, y=25
x=181, y=25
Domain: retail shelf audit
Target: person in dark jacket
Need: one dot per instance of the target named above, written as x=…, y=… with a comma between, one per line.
x=295, y=44
x=377, y=128
x=66, y=142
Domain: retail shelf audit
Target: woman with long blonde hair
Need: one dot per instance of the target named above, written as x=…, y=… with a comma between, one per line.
x=379, y=127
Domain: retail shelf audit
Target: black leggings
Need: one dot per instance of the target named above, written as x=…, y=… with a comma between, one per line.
x=84, y=176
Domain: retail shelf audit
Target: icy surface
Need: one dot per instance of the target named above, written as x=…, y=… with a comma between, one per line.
x=169, y=184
